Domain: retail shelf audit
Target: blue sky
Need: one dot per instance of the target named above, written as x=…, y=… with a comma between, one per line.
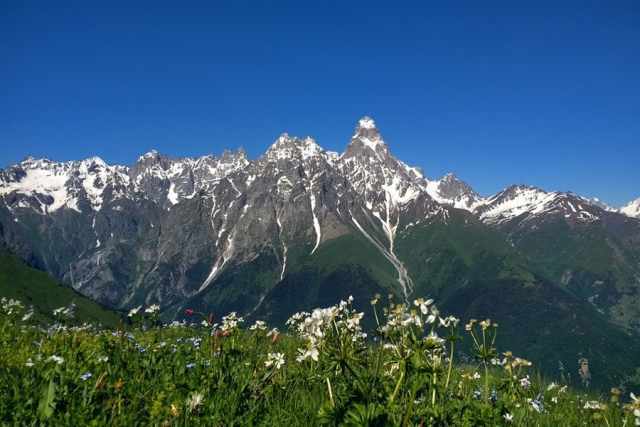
x=544, y=93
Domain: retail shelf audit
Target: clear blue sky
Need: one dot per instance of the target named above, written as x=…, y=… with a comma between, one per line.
x=544, y=93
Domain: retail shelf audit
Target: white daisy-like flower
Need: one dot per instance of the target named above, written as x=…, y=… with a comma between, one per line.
x=151, y=309
x=275, y=359
x=57, y=359
x=134, y=311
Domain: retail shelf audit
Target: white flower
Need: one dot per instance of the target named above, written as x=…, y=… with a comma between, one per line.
x=29, y=363
x=350, y=298
x=354, y=322
x=258, y=325
x=552, y=386
x=151, y=309
x=103, y=359
x=424, y=305
x=275, y=359
x=435, y=315
x=595, y=405
x=508, y=417
x=311, y=352
x=194, y=403
x=28, y=315
x=133, y=311
x=59, y=360
x=562, y=390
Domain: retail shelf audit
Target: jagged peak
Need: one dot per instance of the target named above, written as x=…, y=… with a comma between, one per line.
x=366, y=123
x=94, y=160
x=366, y=138
x=242, y=153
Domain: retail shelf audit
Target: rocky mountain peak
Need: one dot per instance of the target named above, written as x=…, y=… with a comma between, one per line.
x=451, y=187
x=367, y=140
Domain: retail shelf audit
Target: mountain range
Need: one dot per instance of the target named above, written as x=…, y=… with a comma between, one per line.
x=301, y=227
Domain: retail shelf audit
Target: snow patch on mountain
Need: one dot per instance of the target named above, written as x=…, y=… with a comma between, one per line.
x=631, y=209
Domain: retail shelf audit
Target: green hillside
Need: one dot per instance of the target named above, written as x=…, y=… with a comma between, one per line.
x=34, y=288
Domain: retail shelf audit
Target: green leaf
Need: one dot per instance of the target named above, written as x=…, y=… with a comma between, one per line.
x=45, y=408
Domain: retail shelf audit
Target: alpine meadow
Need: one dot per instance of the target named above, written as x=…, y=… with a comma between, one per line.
x=311, y=242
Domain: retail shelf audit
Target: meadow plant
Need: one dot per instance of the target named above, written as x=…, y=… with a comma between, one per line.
x=325, y=371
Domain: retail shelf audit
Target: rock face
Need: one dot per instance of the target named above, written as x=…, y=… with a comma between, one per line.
x=232, y=231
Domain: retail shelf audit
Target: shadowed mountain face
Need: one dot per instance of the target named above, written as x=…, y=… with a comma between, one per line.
x=301, y=227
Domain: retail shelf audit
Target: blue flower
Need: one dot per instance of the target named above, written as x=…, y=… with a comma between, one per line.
x=86, y=376
x=191, y=365
x=477, y=394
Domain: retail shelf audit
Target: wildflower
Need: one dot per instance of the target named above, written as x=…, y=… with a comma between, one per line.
x=508, y=417
x=194, y=403
x=477, y=394
x=448, y=321
x=562, y=389
x=552, y=386
x=469, y=325
x=350, y=299
x=423, y=305
x=152, y=309
x=275, y=338
x=86, y=376
x=554, y=399
x=485, y=324
x=258, y=325
x=191, y=365
x=29, y=363
x=28, y=315
x=525, y=383
x=133, y=311
x=435, y=315
x=11, y=306
x=59, y=360
x=274, y=331
x=211, y=319
x=103, y=359
x=312, y=351
x=189, y=312
x=595, y=405
x=276, y=359
x=537, y=405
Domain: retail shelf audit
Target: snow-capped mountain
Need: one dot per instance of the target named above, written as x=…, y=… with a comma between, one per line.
x=235, y=230
x=46, y=186
x=632, y=208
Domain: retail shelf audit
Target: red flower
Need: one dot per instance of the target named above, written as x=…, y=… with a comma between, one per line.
x=211, y=319
x=189, y=312
x=275, y=338
x=226, y=333
x=215, y=338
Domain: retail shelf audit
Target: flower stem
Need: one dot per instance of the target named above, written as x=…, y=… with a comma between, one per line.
x=450, y=365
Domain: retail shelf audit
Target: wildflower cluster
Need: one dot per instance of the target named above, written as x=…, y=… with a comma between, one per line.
x=190, y=373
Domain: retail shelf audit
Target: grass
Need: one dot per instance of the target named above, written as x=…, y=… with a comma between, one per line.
x=324, y=371
x=45, y=294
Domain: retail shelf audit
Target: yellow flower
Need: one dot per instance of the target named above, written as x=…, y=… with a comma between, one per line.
x=118, y=386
